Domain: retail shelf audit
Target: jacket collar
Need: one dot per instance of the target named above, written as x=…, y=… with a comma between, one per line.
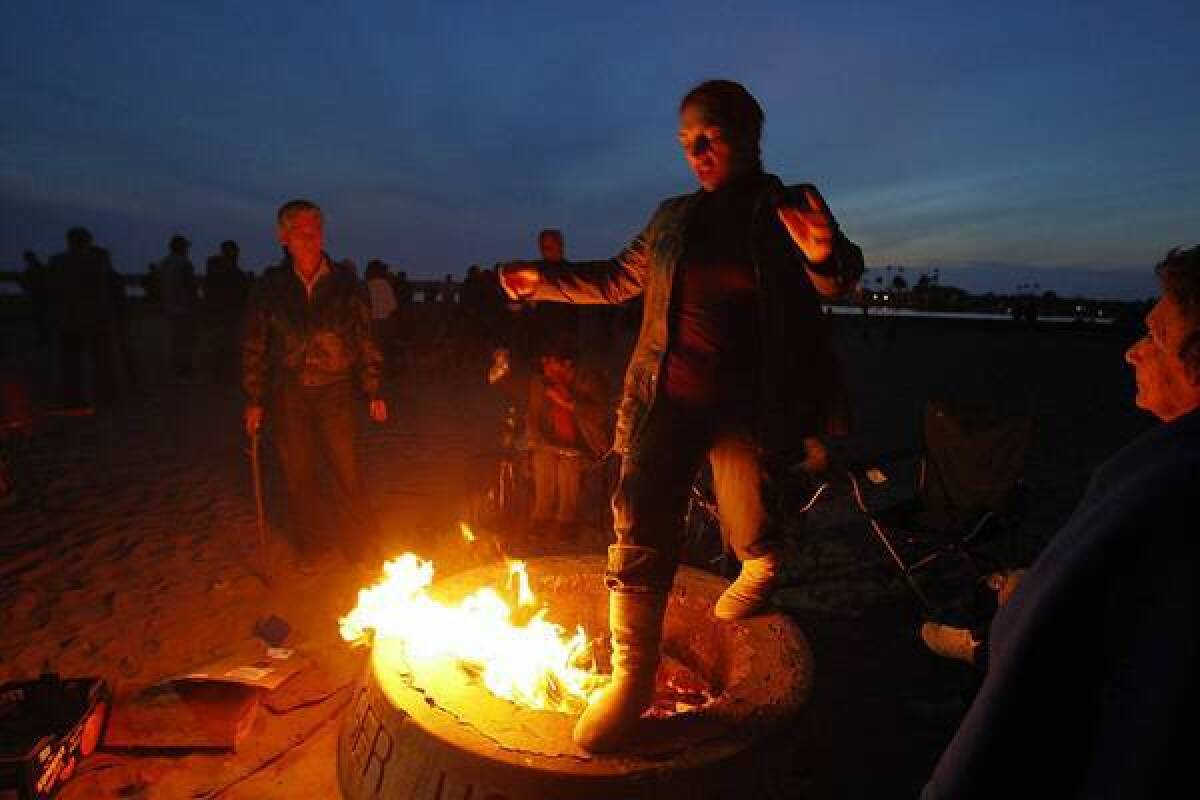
x=324, y=271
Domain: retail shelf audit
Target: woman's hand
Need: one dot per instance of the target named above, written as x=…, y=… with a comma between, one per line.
x=810, y=225
x=519, y=279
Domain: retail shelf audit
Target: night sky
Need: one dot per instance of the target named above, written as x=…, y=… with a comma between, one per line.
x=1048, y=134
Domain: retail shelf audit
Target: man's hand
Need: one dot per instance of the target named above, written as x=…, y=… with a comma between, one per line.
x=378, y=410
x=810, y=224
x=519, y=279
x=253, y=419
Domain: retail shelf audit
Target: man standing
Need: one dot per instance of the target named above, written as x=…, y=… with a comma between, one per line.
x=35, y=283
x=566, y=429
x=734, y=359
x=122, y=329
x=553, y=322
x=1092, y=660
x=177, y=287
x=309, y=319
x=225, y=289
x=82, y=310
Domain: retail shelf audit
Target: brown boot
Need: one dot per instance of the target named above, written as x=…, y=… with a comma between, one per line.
x=752, y=589
x=636, y=623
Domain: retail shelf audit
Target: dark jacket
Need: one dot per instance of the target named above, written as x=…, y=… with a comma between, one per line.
x=80, y=289
x=225, y=287
x=1091, y=669
x=177, y=286
x=314, y=342
x=802, y=392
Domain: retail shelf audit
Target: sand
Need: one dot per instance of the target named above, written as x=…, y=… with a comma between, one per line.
x=133, y=555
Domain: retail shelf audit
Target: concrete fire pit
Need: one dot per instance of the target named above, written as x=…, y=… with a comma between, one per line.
x=446, y=738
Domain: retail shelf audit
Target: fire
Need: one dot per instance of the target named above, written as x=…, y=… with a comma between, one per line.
x=534, y=663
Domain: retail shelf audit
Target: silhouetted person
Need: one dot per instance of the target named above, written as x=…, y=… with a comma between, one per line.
x=473, y=322
x=553, y=322
x=497, y=322
x=35, y=281
x=81, y=307
x=123, y=330
x=177, y=288
x=383, y=302
x=226, y=288
x=308, y=327
x=403, y=289
x=449, y=290
x=150, y=285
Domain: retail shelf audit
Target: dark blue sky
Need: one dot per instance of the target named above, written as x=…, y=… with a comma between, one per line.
x=1049, y=134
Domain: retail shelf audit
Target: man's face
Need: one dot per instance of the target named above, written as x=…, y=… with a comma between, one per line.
x=552, y=248
x=714, y=156
x=303, y=234
x=1163, y=385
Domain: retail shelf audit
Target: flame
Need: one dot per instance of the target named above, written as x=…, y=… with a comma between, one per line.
x=517, y=574
x=467, y=533
x=534, y=664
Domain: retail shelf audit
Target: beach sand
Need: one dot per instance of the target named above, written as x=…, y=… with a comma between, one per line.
x=132, y=552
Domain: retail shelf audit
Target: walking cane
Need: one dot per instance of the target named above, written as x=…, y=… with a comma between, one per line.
x=256, y=474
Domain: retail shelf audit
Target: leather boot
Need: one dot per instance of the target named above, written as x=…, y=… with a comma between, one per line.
x=752, y=589
x=635, y=620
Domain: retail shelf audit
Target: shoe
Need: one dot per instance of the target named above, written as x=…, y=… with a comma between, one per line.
x=751, y=591
x=950, y=642
x=635, y=621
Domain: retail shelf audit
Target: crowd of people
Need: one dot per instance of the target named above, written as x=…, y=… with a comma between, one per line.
x=1091, y=654
x=81, y=301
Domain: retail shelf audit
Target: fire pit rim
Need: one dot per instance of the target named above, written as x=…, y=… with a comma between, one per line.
x=744, y=712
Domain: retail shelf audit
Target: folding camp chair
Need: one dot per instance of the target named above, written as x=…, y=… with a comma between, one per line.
x=963, y=521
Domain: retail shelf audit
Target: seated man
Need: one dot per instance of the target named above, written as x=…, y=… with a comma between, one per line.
x=1091, y=659
x=566, y=428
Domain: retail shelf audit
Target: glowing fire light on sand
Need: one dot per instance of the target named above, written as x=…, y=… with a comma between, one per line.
x=533, y=664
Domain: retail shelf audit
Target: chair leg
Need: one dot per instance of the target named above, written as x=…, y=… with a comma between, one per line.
x=905, y=570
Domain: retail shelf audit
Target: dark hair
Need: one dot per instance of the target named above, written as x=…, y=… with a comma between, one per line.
x=553, y=232
x=79, y=237
x=230, y=244
x=298, y=206
x=178, y=244
x=1179, y=274
x=733, y=108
